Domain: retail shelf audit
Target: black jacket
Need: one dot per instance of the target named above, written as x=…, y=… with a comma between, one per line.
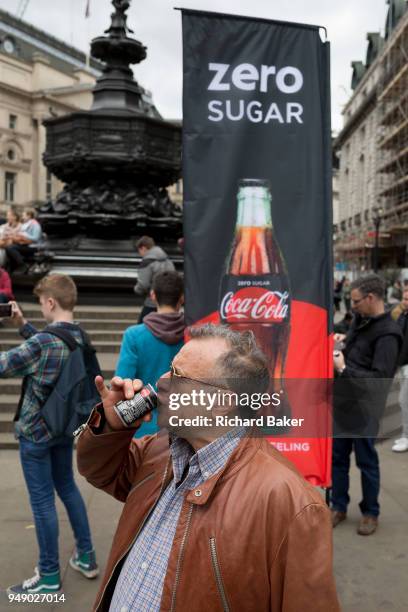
x=371, y=354
x=372, y=347
x=402, y=323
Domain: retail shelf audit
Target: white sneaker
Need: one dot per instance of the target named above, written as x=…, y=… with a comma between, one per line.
x=400, y=446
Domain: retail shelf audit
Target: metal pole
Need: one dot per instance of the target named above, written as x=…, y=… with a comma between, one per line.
x=376, y=246
x=377, y=223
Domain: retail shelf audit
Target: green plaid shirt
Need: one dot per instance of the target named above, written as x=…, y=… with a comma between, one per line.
x=40, y=359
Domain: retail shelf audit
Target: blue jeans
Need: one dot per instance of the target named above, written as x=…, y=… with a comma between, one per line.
x=367, y=462
x=47, y=466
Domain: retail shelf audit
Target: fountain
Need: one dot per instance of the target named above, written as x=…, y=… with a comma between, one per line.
x=116, y=161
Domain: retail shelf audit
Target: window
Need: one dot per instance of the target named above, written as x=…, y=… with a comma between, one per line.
x=11, y=156
x=48, y=185
x=12, y=122
x=10, y=186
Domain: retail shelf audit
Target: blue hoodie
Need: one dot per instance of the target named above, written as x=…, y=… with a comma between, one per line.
x=147, y=351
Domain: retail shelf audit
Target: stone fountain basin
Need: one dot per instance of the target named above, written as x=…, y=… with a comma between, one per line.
x=87, y=143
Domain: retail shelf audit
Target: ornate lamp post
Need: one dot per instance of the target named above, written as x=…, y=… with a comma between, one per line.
x=377, y=218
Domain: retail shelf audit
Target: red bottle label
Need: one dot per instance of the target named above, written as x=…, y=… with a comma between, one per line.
x=254, y=299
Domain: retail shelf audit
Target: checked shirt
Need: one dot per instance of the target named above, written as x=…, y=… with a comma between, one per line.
x=40, y=358
x=140, y=583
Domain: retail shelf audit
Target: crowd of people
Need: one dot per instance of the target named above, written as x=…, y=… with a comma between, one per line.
x=20, y=236
x=193, y=486
x=151, y=350
x=342, y=293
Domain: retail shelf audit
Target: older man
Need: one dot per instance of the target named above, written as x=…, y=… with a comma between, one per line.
x=209, y=523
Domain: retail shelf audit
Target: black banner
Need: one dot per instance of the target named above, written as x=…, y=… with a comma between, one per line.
x=255, y=104
x=257, y=187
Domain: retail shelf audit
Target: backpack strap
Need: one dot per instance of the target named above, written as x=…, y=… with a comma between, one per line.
x=86, y=339
x=21, y=399
x=63, y=335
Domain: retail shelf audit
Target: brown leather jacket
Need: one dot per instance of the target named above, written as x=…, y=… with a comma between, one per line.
x=254, y=536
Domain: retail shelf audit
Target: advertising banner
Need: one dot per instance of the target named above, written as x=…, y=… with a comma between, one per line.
x=257, y=204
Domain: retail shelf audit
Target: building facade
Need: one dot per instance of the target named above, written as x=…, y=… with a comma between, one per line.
x=40, y=77
x=373, y=153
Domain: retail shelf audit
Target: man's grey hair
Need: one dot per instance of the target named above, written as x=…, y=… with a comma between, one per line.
x=243, y=367
x=372, y=283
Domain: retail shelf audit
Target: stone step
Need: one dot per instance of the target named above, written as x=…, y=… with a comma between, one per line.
x=100, y=346
x=88, y=325
x=8, y=402
x=10, y=386
x=118, y=313
x=96, y=336
x=6, y=422
x=8, y=441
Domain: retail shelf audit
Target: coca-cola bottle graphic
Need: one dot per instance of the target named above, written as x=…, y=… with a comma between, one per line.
x=255, y=290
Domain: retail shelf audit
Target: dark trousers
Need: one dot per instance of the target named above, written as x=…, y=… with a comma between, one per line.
x=145, y=311
x=368, y=464
x=4, y=299
x=337, y=302
x=16, y=255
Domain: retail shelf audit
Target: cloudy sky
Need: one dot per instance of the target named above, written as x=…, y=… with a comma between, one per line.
x=158, y=26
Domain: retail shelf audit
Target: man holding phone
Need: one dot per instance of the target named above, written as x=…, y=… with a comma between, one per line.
x=46, y=460
x=208, y=522
x=5, y=310
x=364, y=369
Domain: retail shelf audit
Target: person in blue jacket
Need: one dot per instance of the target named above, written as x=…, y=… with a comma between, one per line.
x=148, y=349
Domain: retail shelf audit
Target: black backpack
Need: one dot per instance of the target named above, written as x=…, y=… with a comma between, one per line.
x=74, y=394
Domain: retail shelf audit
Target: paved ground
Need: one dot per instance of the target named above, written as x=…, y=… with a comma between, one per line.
x=18, y=541
x=371, y=572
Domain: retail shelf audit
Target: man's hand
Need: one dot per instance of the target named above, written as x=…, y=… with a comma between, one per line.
x=338, y=361
x=120, y=389
x=17, y=317
x=339, y=337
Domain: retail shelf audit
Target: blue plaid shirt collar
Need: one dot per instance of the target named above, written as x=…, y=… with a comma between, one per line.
x=208, y=460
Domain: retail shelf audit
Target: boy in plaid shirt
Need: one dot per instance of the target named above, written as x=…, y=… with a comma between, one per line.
x=47, y=461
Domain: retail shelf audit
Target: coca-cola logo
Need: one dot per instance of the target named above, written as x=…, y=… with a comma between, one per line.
x=255, y=304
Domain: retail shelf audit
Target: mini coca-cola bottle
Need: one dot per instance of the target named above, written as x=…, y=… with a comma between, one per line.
x=255, y=287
